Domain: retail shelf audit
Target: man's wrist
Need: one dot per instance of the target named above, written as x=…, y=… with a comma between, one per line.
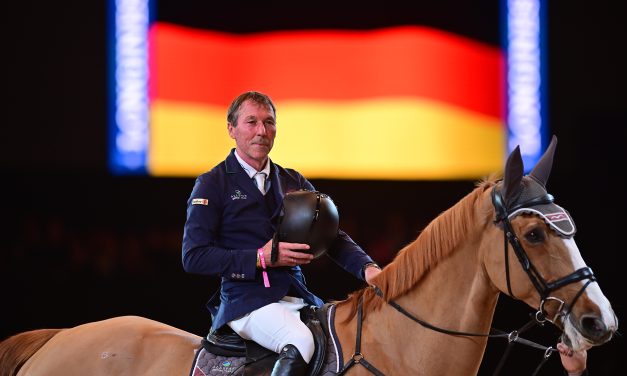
x=258, y=261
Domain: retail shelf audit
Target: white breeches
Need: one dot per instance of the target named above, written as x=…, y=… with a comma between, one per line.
x=276, y=325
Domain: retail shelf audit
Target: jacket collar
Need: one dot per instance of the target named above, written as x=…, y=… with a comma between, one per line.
x=279, y=183
x=232, y=164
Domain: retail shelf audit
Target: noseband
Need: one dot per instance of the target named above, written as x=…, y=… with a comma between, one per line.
x=543, y=287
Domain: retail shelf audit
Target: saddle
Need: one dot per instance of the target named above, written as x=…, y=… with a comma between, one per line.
x=257, y=360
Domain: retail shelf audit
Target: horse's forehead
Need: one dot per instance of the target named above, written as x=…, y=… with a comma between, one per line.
x=554, y=215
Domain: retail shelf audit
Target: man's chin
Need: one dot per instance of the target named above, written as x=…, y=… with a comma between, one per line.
x=260, y=152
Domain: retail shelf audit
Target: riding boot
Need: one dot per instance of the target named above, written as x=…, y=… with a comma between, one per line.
x=289, y=363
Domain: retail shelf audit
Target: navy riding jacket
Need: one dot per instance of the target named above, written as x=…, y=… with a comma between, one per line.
x=228, y=220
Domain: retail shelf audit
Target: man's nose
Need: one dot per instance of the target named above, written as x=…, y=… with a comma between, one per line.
x=261, y=128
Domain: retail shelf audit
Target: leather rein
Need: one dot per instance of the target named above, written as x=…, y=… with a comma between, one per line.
x=544, y=290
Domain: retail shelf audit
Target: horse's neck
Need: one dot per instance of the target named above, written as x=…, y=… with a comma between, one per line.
x=455, y=295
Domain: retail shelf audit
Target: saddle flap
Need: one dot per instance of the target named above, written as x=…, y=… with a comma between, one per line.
x=320, y=341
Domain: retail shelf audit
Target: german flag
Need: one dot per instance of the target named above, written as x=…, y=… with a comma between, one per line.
x=395, y=102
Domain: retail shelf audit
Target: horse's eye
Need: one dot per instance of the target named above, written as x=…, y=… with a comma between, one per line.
x=535, y=236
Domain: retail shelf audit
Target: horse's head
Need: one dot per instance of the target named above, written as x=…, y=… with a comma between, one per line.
x=541, y=264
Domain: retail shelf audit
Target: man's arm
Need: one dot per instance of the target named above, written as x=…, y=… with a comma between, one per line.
x=345, y=252
x=201, y=253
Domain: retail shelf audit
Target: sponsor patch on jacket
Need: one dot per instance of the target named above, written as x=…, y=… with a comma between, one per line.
x=200, y=201
x=238, y=195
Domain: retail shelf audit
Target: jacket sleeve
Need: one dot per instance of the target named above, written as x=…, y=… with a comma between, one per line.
x=350, y=256
x=201, y=251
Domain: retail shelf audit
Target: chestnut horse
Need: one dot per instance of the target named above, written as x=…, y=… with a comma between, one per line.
x=505, y=236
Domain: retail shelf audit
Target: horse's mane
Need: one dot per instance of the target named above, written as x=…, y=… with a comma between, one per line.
x=435, y=243
x=16, y=350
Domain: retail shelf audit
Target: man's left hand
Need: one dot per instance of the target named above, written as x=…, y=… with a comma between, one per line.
x=371, y=272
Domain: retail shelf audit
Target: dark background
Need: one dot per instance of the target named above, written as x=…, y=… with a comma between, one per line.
x=80, y=245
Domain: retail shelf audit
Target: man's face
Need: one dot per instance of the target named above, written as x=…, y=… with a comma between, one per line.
x=254, y=133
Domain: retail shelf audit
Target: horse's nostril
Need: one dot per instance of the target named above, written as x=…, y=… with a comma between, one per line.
x=594, y=329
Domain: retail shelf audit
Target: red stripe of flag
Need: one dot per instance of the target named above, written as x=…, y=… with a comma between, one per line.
x=212, y=67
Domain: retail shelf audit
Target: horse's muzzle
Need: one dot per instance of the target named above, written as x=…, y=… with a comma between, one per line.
x=594, y=329
x=587, y=330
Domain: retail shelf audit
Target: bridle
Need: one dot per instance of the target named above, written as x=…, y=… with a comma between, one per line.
x=543, y=288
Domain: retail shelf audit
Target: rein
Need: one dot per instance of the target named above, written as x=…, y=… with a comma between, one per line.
x=512, y=338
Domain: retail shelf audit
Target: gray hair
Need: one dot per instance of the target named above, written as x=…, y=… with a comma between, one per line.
x=255, y=96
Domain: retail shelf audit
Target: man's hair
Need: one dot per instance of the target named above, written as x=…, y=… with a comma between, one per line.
x=255, y=96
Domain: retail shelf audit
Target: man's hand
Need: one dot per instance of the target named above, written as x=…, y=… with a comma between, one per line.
x=574, y=362
x=287, y=255
x=371, y=272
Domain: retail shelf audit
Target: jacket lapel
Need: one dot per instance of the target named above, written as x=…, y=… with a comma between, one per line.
x=240, y=178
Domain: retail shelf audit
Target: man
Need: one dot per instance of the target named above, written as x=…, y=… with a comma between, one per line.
x=231, y=218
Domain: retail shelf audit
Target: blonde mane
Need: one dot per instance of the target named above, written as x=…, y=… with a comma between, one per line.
x=436, y=242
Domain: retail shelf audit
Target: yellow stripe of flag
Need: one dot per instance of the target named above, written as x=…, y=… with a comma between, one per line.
x=387, y=138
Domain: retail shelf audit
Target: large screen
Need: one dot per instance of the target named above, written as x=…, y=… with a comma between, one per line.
x=384, y=95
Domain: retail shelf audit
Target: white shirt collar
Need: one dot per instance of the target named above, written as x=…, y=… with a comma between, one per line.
x=250, y=171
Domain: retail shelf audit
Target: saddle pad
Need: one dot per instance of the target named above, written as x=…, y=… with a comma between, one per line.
x=208, y=364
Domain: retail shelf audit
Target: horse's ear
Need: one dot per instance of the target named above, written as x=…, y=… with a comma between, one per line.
x=542, y=170
x=513, y=176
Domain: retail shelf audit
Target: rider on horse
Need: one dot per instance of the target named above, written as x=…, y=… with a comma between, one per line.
x=232, y=216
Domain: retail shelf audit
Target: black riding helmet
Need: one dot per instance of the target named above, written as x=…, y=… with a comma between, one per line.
x=308, y=217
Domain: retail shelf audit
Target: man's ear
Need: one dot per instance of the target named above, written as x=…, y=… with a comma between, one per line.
x=230, y=128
